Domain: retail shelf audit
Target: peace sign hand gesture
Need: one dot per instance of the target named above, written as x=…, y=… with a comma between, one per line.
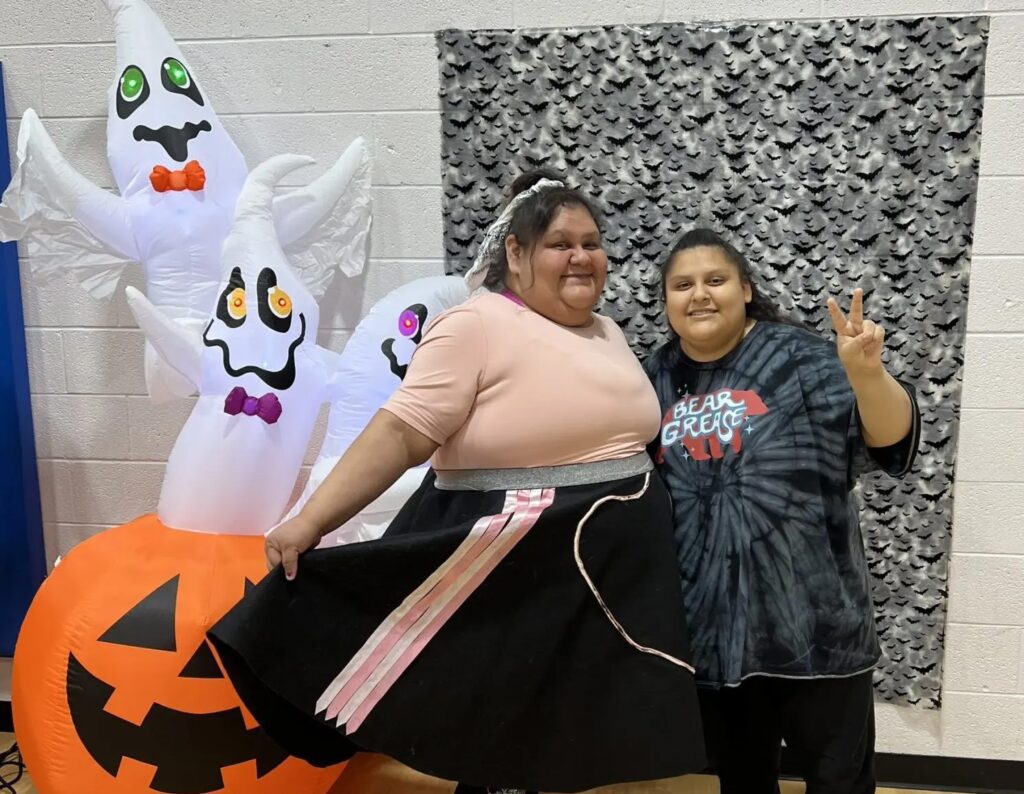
x=858, y=341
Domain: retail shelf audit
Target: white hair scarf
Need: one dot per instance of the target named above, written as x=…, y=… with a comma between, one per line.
x=494, y=239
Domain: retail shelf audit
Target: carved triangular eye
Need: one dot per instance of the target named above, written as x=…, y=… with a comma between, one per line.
x=150, y=623
x=202, y=664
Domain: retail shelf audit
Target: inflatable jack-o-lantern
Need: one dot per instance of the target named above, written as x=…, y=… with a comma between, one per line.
x=115, y=689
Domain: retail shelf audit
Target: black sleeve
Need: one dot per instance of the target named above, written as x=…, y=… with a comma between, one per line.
x=895, y=460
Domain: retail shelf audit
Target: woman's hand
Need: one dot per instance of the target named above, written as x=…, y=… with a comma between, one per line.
x=859, y=342
x=287, y=541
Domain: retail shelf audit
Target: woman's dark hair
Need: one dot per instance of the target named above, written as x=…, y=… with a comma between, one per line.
x=534, y=215
x=760, y=307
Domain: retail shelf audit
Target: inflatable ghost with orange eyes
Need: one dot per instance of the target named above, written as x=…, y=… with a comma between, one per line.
x=260, y=375
x=262, y=379
x=178, y=175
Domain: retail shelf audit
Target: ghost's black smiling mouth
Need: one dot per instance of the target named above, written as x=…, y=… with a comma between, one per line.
x=281, y=379
x=173, y=139
x=387, y=348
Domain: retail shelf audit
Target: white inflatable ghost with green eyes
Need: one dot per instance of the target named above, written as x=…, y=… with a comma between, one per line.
x=178, y=175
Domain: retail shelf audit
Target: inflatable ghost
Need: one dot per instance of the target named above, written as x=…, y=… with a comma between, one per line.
x=178, y=175
x=261, y=377
x=373, y=365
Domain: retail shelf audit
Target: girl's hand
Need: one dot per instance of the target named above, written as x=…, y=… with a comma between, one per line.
x=859, y=342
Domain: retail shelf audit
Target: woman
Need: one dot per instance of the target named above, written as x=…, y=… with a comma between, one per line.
x=766, y=427
x=520, y=624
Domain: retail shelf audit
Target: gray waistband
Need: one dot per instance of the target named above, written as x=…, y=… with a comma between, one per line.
x=543, y=477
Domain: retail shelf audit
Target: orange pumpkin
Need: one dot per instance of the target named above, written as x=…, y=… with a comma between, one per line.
x=115, y=688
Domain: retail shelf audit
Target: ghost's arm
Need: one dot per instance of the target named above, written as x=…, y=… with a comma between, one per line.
x=45, y=187
x=325, y=225
x=297, y=212
x=181, y=349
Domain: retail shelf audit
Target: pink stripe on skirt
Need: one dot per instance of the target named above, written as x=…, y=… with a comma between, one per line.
x=515, y=530
x=397, y=642
x=399, y=621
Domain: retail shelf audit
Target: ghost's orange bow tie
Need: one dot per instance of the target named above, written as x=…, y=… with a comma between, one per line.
x=191, y=177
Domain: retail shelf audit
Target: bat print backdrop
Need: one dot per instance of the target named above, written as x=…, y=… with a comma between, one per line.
x=833, y=154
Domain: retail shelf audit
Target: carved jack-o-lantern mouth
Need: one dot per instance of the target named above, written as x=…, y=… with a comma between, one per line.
x=188, y=750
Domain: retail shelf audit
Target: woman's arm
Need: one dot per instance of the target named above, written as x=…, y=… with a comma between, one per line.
x=433, y=402
x=377, y=458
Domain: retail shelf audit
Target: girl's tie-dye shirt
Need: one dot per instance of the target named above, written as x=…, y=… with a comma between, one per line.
x=761, y=450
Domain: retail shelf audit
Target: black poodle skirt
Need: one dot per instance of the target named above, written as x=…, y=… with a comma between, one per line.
x=468, y=644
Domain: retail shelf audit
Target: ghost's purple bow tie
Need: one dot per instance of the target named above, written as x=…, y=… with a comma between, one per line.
x=268, y=407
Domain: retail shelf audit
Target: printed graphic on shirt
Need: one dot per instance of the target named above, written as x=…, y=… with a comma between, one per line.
x=705, y=424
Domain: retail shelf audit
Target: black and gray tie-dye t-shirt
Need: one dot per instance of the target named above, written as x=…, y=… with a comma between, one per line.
x=760, y=451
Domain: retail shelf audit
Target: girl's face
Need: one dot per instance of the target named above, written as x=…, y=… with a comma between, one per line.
x=562, y=276
x=705, y=300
